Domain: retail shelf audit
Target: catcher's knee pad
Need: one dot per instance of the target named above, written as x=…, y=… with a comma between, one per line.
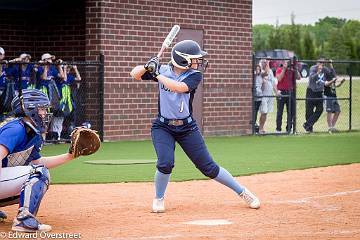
x=34, y=189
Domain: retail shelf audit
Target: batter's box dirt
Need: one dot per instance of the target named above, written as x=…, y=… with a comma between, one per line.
x=320, y=203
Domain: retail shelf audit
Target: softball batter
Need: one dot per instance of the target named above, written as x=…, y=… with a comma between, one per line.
x=177, y=84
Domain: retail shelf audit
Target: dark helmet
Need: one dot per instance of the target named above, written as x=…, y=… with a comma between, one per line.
x=184, y=51
x=32, y=100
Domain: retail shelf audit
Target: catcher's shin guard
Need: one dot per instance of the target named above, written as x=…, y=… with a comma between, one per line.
x=34, y=189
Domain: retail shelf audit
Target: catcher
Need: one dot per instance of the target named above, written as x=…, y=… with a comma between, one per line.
x=24, y=174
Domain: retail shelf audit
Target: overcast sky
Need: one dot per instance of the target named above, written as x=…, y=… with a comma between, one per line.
x=306, y=11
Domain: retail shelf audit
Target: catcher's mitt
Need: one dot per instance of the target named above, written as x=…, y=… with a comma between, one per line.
x=84, y=141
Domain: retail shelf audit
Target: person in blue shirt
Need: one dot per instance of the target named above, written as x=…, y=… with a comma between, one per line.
x=67, y=102
x=49, y=77
x=7, y=84
x=24, y=174
x=48, y=74
x=26, y=72
x=177, y=82
x=2, y=69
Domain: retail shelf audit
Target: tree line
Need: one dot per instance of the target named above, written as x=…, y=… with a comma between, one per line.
x=330, y=37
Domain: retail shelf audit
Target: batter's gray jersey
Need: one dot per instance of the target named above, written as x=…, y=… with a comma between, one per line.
x=174, y=105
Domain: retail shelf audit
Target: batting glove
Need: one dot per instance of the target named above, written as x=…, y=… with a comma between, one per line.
x=153, y=66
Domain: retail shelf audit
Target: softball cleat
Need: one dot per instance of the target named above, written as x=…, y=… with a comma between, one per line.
x=29, y=225
x=250, y=199
x=2, y=216
x=158, y=205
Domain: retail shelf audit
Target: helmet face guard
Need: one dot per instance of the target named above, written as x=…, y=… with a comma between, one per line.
x=202, y=64
x=32, y=100
x=41, y=123
x=184, y=52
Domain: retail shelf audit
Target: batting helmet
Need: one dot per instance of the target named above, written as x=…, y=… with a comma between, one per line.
x=32, y=100
x=184, y=51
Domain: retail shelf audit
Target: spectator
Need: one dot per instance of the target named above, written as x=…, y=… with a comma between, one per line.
x=268, y=88
x=2, y=80
x=48, y=73
x=331, y=103
x=26, y=71
x=258, y=94
x=2, y=74
x=7, y=87
x=67, y=103
x=286, y=82
x=319, y=74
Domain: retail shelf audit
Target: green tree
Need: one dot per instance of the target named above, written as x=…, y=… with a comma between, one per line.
x=331, y=37
x=295, y=37
x=284, y=35
x=309, y=48
x=324, y=27
x=275, y=39
x=261, y=33
x=336, y=47
x=351, y=32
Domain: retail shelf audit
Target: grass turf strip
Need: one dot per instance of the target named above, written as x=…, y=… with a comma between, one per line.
x=243, y=155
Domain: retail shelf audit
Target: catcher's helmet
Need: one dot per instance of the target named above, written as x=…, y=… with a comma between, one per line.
x=184, y=51
x=32, y=100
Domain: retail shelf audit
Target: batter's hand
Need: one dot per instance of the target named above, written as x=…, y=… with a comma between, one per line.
x=153, y=66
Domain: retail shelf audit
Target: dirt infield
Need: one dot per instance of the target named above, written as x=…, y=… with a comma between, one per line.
x=321, y=203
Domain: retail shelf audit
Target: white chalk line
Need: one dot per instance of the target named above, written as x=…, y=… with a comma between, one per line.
x=308, y=199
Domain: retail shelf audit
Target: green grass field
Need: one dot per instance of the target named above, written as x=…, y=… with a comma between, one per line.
x=244, y=155
x=321, y=124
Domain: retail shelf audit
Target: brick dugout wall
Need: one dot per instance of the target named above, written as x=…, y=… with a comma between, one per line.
x=129, y=32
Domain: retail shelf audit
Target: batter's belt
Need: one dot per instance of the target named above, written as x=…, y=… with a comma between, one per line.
x=176, y=122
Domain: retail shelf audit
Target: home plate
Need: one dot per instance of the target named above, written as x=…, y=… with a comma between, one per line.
x=213, y=222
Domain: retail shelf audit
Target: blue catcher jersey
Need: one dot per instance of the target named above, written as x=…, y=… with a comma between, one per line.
x=174, y=105
x=23, y=147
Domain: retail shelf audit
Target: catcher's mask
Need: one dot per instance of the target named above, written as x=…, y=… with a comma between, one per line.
x=186, y=54
x=34, y=104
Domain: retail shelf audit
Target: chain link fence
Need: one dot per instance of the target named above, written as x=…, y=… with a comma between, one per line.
x=296, y=101
x=76, y=100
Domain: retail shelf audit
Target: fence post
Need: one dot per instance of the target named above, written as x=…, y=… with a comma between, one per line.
x=350, y=101
x=293, y=98
x=253, y=120
x=101, y=96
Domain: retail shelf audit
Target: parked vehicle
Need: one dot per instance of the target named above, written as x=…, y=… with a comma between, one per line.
x=277, y=54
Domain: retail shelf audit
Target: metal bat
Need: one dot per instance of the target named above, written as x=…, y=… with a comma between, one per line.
x=169, y=38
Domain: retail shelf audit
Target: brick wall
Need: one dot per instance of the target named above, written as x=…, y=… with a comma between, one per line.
x=57, y=29
x=129, y=32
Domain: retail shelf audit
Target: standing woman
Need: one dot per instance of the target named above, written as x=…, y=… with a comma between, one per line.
x=177, y=82
x=26, y=72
